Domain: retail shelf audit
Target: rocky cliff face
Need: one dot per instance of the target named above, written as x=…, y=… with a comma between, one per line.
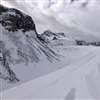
x=13, y=20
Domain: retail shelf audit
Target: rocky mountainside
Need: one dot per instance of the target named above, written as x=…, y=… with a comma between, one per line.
x=19, y=42
x=31, y=59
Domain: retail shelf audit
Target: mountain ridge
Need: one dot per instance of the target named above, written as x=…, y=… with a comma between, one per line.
x=20, y=39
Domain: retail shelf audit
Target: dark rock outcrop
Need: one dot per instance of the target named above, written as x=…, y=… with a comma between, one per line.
x=86, y=43
x=14, y=20
x=48, y=36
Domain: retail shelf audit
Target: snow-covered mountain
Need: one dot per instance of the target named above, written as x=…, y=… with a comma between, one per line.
x=20, y=43
x=54, y=41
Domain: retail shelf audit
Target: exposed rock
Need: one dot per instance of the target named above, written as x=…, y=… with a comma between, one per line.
x=85, y=43
x=13, y=20
x=48, y=36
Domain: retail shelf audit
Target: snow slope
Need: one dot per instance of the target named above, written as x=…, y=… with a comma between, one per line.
x=76, y=74
x=79, y=80
x=20, y=47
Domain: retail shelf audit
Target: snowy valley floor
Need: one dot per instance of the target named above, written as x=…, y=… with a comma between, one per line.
x=79, y=80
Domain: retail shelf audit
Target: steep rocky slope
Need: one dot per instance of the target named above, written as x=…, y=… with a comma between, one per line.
x=19, y=42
